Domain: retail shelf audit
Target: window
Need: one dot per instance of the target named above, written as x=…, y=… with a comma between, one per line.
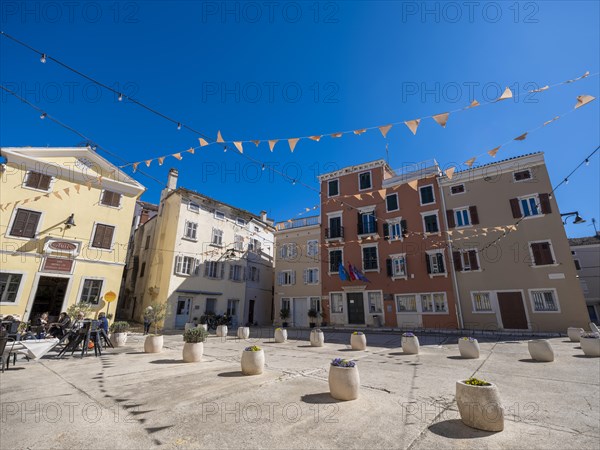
x=143, y=270
x=288, y=251
x=90, y=293
x=287, y=277
x=370, y=261
x=397, y=266
x=214, y=269
x=529, y=206
x=147, y=245
x=457, y=189
x=194, y=207
x=254, y=246
x=254, y=273
x=482, y=302
x=406, y=303
x=375, y=302
x=241, y=222
x=333, y=188
x=9, y=286
x=430, y=223
x=256, y=229
x=238, y=242
x=364, y=181
x=285, y=303
x=435, y=263
x=236, y=272
x=315, y=303
x=25, y=223
x=433, y=303
x=427, y=196
x=110, y=198
x=219, y=215
x=462, y=217
x=367, y=224
x=211, y=304
x=103, y=236
x=522, y=175
x=577, y=264
x=191, y=228
x=232, y=307
x=36, y=180
x=542, y=253
x=335, y=229
x=465, y=260
x=311, y=276
x=337, y=302
x=185, y=265
x=217, y=237
x=335, y=258
x=394, y=230
x=312, y=248
x=544, y=301
x=391, y=202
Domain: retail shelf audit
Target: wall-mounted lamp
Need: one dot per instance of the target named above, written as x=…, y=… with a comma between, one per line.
x=70, y=221
x=578, y=219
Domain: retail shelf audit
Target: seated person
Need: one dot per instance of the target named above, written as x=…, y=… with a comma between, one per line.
x=103, y=322
x=59, y=328
x=79, y=321
x=40, y=325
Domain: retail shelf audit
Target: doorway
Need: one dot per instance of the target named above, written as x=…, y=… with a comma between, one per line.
x=512, y=311
x=300, y=312
x=49, y=296
x=251, y=312
x=356, y=308
x=183, y=311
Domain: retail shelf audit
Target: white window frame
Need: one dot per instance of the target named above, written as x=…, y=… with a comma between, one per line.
x=216, y=232
x=362, y=256
x=238, y=242
x=380, y=302
x=431, y=294
x=254, y=245
x=398, y=256
x=219, y=270
x=337, y=180
x=336, y=249
x=397, y=202
x=437, y=218
x=434, y=252
x=335, y=215
x=474, y=309
x=456, y=211
x=462, y=261
x=370, y=180
x=82, y=284
x=180, y=260
x=526, y=179
x=236, y=302
x=458, y=193
x=414, y=296
x=112, y=243
x=368, y=211
x=533, y=264
x=311, y=275
x=19, y=289
x=194, y=207
x=421, y=197
x=195, y=231
x=233, y=268
x=287, y=277
x=12, y=220
x=286, y=303
x=331, y=303
x=254, y=274
x=554, y=294
x=538, y=206
x=312, y=248
x=392, y=223
x=218, y=215
x=241, y=222
x=50, y=186
x=109, y=206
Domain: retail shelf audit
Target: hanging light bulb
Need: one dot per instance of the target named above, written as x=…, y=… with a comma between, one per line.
x=587, y=162
x=43, y=115
x=566, y=181
x=120, y=98
x=178, y=125
x=293, y=182
x=43, y=58
x=263, y=167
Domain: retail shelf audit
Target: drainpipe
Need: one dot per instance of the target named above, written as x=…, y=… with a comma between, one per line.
x=450, y=258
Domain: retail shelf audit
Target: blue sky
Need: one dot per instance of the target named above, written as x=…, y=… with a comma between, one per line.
x=262, y=70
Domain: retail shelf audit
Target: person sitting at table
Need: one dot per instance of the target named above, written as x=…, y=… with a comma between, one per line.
x=79, y=321
x=59, y=328
x=103, y=322
x=41, y=325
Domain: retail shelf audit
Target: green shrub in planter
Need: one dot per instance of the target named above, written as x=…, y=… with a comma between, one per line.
x=195, y=335
x=119, y=327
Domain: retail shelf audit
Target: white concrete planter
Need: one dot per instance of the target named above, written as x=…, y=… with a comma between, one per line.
x=243, y=332
x=479, y=406
x=188, y=325
x=358, y=342
x=590, y=346
x=468, y=349
x=280, y=335
x=574, y=333
x=253, y=363
x=317, y=338
x=192, y=351
x=222, y=331
x=344, y=382
x=203, y=325
x=410, y=345
x=153, y=343
x=118, y=339
x=541, y=350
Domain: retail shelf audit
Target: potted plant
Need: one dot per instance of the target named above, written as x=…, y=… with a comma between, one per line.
x=243, y=332
x=410, y=343
x=479, y=405
x=280, y=335
x=344, y=380
x=540, y=350
x=317, y=338
x=358, y=341
x=194, y=344
x=284, y=314
x=590, y=344
x=253, y=360
x=155, y=315
x=81, y=307
x=203, y=322
x=119, y=333
x=313, y=314
x=468, y=347
x=574, y=333
x=222, y=329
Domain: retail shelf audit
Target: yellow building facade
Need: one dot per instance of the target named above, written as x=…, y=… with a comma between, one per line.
x=65, y=221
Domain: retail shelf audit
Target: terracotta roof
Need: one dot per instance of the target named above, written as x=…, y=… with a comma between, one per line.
x=499, y=161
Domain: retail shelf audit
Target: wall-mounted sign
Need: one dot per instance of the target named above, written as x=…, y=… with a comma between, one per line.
x=60, y=265
x=62, y=247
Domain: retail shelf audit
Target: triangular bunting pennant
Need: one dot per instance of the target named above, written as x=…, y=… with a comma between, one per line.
x=148, y=162
x=219, y=137
x=522, y=137
x=441, y=119
x=493, y=151
x=315, y=138
x=239, y=146
x=413, y=184
x=551, y=120
x=506, y=94
x=67, y=191
x=135, y=165
x=89, y=185
x=359, y=132
x=177, y=156
x=358, y=196
x=337, y=135
x=38, y=197
x=413, y=125
x=384, y=129
x=191, y=150
x=57, y=195
x=469, y=162
x=26, y=201
x=272, y=143
x=307, y=209
x=77, y=187
x=203, y=142
x=545, y=88
x=473, y=104
x=450, y=172
x=161, y=159
x=293, y=143
x=382, y=193
x=584, y=100
x=255, y=142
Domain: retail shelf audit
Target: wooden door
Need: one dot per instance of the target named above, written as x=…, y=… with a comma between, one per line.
x=512, y=311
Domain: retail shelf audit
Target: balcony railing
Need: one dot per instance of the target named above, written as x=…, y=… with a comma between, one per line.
x=297, y=223
x=334, y=233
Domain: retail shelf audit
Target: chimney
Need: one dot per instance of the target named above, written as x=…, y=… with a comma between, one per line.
x=172, y=180
x=263, y=216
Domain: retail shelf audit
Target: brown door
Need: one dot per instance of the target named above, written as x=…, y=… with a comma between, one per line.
x=512, y=310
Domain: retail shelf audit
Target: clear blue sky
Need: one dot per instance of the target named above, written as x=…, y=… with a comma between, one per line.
x=304, y=69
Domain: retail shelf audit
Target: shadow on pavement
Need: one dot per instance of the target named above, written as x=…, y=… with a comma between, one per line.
x=320, y=398
x=455, y=429
x=167, y=361
x=236, y=373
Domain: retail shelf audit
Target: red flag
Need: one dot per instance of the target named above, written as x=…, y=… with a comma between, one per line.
x=351, y=272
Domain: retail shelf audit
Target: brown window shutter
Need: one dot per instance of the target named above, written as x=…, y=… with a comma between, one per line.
x=44, y=183
x=33, y=180
x=457, y=261
x=108, y=235
x=545, y=204
x=97, y=241
x=450, y=217
x=473, y=259
x=474, y=215
x=546, y=253
x=516, y=209
x=32, y=223
x=537, y=254
x=19, y=222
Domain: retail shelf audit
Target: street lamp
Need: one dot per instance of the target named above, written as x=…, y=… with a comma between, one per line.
x=578, y=219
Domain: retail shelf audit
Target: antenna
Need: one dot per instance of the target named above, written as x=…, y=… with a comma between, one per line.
x=594, y=224
x=387, y=153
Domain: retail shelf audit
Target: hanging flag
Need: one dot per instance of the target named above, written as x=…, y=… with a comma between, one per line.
x=358, y=196
x=384, y=129
x=506, y=94
x=493, y=151
x=148, y=161
x=203, y=142
x=315, y=138
x=272, y=143
x=219, y=137
x=450, y=172
x=351, y=273
x=67, y=189
x=413, y=125
x=191, y=150
x=522, y=137
x=441, y=119
x=177, y=156
x=359, y=132
x=584, y=100
x=292, y=142
x=551, y=120
x=473, y=104
x=239, y=146
x=26, y=201
x=77, y=187
x=337, y=135
x=382, y=193
x=88, y=185
x=135, y=165
x=255, y=142
x=161, y=160
x=470, y=162
x=360, y=275
x=57, y=195
x=541, y=89
x=413, y=184
x=342, y=272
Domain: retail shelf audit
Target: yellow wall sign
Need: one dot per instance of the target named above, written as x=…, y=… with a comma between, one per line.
x=110, y=296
